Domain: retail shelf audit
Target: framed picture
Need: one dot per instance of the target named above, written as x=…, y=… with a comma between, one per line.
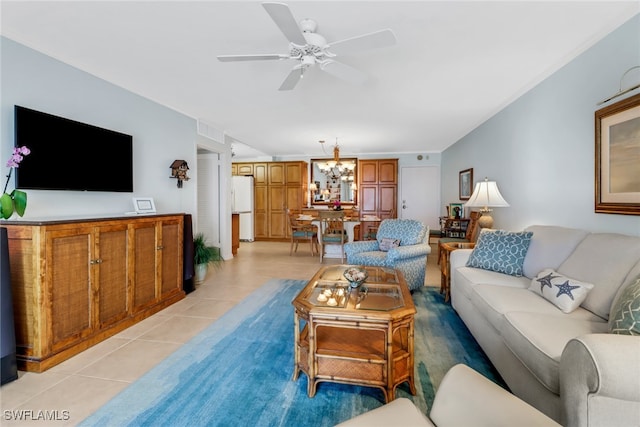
x=617, y=181
x=465, y=184
x=456, y=210
x=144, y=205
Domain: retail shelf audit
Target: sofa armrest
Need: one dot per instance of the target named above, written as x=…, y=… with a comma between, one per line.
x=600, y=381
x=409, y=251
x=459, y=257
x=360, y=246
x=399, y=412
x=466, y=398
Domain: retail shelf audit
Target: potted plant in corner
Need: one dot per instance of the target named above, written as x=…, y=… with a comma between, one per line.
x=203, y=256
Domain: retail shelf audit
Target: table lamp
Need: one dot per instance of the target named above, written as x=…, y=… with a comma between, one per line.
x=486, y=196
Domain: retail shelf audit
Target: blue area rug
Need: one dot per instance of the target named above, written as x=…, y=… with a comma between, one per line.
x=238, y=372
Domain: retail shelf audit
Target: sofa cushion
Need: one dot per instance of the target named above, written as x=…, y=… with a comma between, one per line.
x=565, y=293
x=604, y=259
x=493, y=302
x=625, y=312
x=501, y=251
x=388, y=243
x=466, y=278
x=550, y=246
x=537, y=339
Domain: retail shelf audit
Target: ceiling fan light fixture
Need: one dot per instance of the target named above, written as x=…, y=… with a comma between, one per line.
x=310, y=48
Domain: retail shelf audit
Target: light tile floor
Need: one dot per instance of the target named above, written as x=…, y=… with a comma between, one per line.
x=74, y=389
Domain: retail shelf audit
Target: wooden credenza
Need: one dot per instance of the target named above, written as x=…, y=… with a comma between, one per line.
x=77, y=282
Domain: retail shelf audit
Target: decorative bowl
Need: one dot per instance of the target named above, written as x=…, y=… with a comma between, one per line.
x=356, y=276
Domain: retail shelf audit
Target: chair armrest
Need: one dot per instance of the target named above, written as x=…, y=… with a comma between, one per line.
x=352, y=248
x=409, y=251
x=466, y=398
x=600, y=380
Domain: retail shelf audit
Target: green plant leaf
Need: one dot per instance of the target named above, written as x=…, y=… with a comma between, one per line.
x=20, y=201
x=6, y=206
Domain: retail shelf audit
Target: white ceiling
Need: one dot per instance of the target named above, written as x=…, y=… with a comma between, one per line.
x=455, y=63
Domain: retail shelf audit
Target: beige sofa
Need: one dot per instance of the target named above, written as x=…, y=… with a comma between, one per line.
x=566, y=365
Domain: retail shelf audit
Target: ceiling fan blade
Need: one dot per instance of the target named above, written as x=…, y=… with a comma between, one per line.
x=292, y=79
x=282, y=16
x=259, y=57
x=344, y=72
x=375, y=40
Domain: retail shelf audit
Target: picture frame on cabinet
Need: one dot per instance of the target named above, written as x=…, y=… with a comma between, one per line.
x=456, y=210
x=465, y=184
x=144, y=205
x=617, y=155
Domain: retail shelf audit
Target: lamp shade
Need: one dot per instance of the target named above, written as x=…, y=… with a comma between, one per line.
x=486, y=195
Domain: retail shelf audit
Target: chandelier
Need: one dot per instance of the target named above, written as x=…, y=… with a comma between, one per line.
x=337, y=169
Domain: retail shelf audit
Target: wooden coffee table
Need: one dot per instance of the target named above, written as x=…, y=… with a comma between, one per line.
x=365, y=339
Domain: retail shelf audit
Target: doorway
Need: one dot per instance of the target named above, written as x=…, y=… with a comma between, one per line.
x=420, y=195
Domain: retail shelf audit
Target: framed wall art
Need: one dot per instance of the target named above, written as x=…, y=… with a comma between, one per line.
x=617, y=144
x=144, y=205
x=465, y=184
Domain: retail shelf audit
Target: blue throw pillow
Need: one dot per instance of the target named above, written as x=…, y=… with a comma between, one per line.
x=501, y=251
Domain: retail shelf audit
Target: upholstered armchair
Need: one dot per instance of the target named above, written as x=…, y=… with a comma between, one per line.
x=400, y=243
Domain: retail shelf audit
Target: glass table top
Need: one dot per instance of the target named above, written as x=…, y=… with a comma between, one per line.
x=381, y=291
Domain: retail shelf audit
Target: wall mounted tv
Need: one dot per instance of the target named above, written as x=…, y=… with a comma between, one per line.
x=69, y=155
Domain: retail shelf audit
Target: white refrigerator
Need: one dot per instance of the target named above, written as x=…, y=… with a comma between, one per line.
x=242, y=204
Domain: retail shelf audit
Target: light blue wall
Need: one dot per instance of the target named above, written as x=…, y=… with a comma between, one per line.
x=160, y=135
x=540, y=149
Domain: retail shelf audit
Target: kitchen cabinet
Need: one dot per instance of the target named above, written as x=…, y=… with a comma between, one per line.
x=378, y=187
x=278, y=186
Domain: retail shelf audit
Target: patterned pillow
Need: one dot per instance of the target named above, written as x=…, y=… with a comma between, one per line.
x=565, y=293
x=625, y=313
x=386, y=244
x=501, y=251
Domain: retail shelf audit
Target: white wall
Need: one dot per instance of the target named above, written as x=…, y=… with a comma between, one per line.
x=160, y=135
x=540, y=149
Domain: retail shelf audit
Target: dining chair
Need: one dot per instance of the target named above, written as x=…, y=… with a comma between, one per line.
x=301, y=230
x=333, y=231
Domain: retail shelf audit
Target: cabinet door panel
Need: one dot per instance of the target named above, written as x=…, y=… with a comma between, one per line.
x=260, y=173
x=70, y=288
x=171, y=258
x=245, y=169
x=388, y=201
x=294, y=198
x=277, y=203
x=388, y=171
x=260, y=211
x=144, y=289
x=276, y=174
x=368, y=172
x=294, y=173
x=111, y=275
x=369, y=199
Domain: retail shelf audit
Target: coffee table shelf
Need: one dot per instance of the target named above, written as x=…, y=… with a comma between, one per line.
x=355, y=343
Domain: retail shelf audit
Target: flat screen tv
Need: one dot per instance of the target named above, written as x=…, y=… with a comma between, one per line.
x=69, y=155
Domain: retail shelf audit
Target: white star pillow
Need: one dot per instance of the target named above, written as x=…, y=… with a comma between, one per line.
x=565, y=293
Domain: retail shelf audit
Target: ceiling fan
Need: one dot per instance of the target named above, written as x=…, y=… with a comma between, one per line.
x=310, y=48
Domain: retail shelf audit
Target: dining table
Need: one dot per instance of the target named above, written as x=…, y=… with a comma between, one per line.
x=349, y=224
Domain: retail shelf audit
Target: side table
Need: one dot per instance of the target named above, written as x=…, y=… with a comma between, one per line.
x=445, y=267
